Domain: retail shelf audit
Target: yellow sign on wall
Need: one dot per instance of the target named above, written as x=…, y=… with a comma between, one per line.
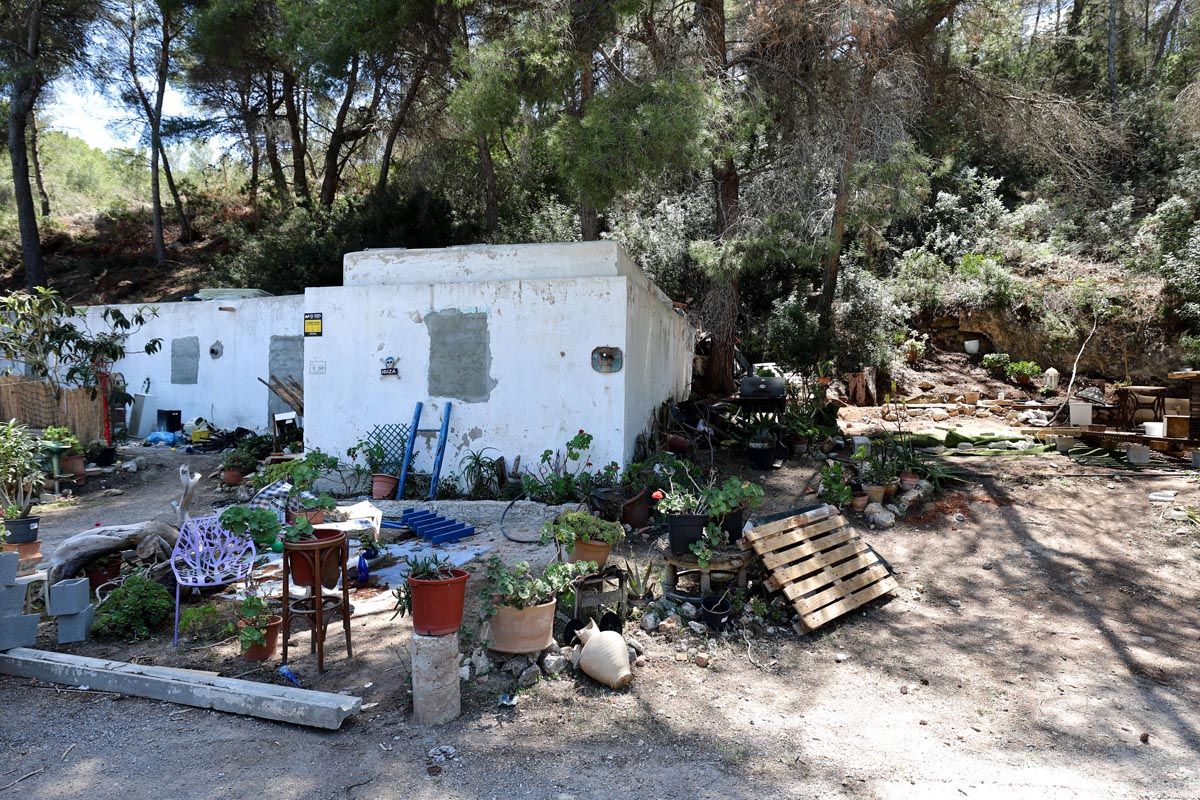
x=313, y=323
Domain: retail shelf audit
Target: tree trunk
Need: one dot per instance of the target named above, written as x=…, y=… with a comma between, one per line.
x=156, y=214
x=186, y=232
x=491, y=199
x=1112, y=60
x=1165, y=36
x=35, y=152
x=589, y=216
x=24, y=94
x=721, y=302
x=330, y=172
x=299, y=148
x=410, y=97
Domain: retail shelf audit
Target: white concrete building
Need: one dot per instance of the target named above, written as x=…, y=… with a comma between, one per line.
x=528, y=343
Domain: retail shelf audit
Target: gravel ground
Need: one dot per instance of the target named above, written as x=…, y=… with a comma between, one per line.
x=1042, y=644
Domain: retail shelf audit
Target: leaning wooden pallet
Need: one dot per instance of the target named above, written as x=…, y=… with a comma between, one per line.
x=822, y=567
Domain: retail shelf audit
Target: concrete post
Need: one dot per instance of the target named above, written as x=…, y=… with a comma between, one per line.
x=436, y=695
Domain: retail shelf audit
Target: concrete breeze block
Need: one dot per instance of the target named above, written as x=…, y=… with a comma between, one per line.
x=436, y=693
x=69, y=597
x=75, y=627
x=8, y=568
x=18, y=631
x=12, y=600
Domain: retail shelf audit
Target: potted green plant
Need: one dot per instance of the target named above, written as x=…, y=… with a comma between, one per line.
x=383, y=484
x=874, y=473
x=834, y=488
x=995, y=362
x=257, y=628
x=435, y=593
x=21, y=479
x=102, y=569
x=236, y=465
x=519, y=604
x=586, y=537
x=313, y=507
x=260, y=524
x=760, y=447
x=300, y=535
x=1022, y=372
x=71, y=460
x=686, y=510
x=729, y=502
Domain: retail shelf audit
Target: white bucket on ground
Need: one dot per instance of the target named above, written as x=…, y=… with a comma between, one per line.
x=1138, y=454
x=1081, y=413
x=1065, y=443
x=1155, y=429
x=971, y=346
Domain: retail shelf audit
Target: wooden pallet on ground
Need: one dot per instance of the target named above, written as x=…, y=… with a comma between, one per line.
x=823, y=568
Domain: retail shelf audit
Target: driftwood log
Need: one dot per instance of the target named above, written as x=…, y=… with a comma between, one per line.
x=152, y=540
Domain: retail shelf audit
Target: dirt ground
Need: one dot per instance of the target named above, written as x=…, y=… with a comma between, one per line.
x=1043, y=644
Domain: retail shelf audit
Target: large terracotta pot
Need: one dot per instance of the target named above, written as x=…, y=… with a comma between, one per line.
x=327, y=547
x=604, y=656
x=437, y=605
x=635, y=512
x=859, y=500
x=591, y=551
x=875, y=492
x=264, y=651
x=231, y=477
x=74, y=465
x=383, y=487
x=522, y=630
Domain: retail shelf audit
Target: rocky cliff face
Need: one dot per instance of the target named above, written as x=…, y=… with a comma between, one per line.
x=1138, y=349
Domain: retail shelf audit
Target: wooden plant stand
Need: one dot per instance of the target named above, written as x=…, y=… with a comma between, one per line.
x=733, y=564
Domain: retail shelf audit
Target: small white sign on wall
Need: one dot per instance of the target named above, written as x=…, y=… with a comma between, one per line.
x=316, y=368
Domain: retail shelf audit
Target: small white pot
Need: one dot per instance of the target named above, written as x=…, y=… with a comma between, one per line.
x=971, y=346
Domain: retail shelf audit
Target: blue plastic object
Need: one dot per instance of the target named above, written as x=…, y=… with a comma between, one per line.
x=165, y=437
x=437, y=529
x=441, y=451
x=408, y=450
x=364, y=571
x=290, y=676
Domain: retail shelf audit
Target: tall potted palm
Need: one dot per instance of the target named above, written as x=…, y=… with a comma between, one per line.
x=21, y=479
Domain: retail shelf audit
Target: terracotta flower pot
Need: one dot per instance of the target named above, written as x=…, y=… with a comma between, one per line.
x=908, y=481
x=316, y=516
x=231, y=477
x=98, y=576
x=301, y=567
x=74, y=465
x=679, y=445
x=859, y=500
x=875, y=493
x=590, y=551
x=635, y=512
x=891, y=489
x=264, y=651
x=383, y=487
x=522, y=630
x=437, y=605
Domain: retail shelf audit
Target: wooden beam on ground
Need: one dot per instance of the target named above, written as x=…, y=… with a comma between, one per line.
x=184, y=686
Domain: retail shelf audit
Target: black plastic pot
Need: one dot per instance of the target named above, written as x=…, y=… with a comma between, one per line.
x=107, y=457
x=732, y=523
x=715, y=611
x=761, y=457
x=23, y=530
x=683, y=529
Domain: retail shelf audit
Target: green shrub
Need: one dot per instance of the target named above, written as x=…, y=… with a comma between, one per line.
x=202, y=622
x=996, y=361
x=136, y=609
x=1022, y=369
x=921, y=281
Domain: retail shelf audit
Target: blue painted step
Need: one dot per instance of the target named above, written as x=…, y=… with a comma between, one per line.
x=437, y=529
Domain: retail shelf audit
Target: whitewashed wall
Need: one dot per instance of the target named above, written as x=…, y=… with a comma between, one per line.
x=226, y=390
x=547, y=307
